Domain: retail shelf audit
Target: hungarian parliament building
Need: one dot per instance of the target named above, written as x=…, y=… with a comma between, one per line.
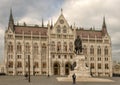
x=50, y=48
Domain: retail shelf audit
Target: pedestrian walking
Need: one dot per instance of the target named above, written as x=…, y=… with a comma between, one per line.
x=74, y=78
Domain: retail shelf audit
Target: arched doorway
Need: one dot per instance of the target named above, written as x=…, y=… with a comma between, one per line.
x=56, y=68
x=67, y=68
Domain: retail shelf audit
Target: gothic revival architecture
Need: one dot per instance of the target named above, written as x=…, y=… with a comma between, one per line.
x=51, y=48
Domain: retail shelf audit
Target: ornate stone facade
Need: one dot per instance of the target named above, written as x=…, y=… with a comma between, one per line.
x=51, y=48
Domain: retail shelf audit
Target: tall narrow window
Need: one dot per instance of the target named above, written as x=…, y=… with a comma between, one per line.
x=85, y=49
x=35, y=48
x=10, y=64
x=10, y=47
x=52, y=46
x=70, y=46
x=19, y=48
x=65, y=46
x=106, y=50
x=19, y=64
x=99, y=50
x=106, y=66
x=58, y=46
x=91, y=50
x=27, y=48
x=43, y=51
x=99, y=65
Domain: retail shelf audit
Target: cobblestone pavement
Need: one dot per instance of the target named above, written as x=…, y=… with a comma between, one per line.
x=44, y=80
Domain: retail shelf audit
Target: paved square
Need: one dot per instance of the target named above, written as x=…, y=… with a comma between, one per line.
x=44, y=80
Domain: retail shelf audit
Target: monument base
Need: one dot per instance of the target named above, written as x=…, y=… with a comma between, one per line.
x=81, y=70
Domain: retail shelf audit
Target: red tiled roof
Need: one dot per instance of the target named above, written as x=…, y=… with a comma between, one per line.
x=29, y=29
x=91, y=33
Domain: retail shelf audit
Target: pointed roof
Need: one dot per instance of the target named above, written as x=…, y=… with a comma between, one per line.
x=11, y=21
x=104, y=27
x=11, y=17
x=104, y=24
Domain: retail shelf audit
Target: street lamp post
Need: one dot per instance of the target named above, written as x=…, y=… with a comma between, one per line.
x=29, y=68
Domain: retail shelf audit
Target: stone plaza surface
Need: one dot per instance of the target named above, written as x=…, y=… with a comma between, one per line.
x=52, y=80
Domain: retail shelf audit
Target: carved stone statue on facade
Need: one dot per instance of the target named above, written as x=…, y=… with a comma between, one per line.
x=78, y=45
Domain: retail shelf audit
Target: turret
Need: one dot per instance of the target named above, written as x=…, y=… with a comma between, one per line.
x=11, y=21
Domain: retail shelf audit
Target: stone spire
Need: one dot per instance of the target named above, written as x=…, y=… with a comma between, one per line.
x=104, y=27
x=11, y=21
x=104, y=24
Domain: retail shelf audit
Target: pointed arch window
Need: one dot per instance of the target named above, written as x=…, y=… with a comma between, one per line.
x=106, y=50
x=52, y=46
x=99, y=65
x=43, y=50
x=10, y=64
x=85, y=49
x=27, y=48
x=70, y=46
x=106, y=66
x=65, y=46
x=35, y=48
x=64, y=29
x=58, y=46
x=99, y=50
x=58, y=29
x=19, y=47
x=92, y=50
x=19, y=64
x=36, y=65
x=10, y=47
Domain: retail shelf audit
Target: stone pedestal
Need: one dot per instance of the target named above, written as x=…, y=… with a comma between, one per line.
x=81, y=70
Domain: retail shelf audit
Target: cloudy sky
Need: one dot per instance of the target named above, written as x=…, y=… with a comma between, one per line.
x=84, y=13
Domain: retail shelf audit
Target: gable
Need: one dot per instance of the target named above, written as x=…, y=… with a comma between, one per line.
x=61, y=26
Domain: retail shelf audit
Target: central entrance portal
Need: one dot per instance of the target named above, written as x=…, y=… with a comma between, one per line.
x=56, y=69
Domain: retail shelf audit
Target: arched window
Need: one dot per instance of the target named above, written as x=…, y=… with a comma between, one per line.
x=85, y=49
x=43, y=50
x=19, y=64
x=106, y=66
x=19, y=47
x=27, y=48
x=10, y=47
x=58, y=29
x=58, y=46
x=70, y=46
x=10, y=64
x=64, y=46
x=52, y=46
x=91, y=50
x=36, y=65
x=106, y=50
x=99, y=50
x=99, y=65
x=35, y=48
x=64, y=29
